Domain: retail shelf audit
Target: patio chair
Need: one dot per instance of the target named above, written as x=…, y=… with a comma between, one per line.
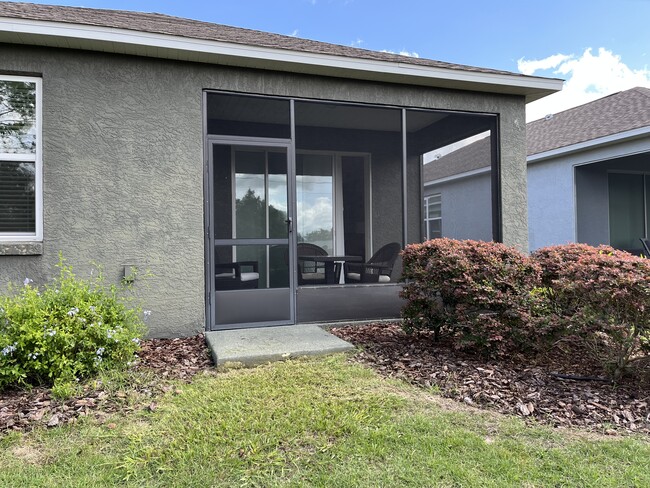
x=378, y=269
x=311, y=272
x=239, y=275
x=646, y=246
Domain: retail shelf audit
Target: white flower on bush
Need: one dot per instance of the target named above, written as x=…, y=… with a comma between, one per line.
x=100, y=351
x=6, y=351
x=73, y=311
x=27, y=281
x=136, y=341
x=50, y=332
x=110, y=333
x=33, y=355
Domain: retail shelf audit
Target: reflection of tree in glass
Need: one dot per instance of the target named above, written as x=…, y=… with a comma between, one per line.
x=251, y=217
x=17, y=111
x=315, y=236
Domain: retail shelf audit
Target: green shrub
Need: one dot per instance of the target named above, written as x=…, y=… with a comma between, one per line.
x=70, y=329
x=483, y=294
x=603, y=296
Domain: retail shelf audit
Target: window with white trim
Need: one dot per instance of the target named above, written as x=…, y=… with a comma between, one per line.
x=20, y=159
x=433, y=216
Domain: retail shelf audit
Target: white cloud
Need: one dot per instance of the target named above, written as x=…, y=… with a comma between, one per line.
x=411, y=54
x=588, y=77
x=356, y=43
x=528, y=67
x=293, y=33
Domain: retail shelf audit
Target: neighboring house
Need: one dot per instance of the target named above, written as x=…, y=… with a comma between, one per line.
x=589, y=173
x=588, y=177
x=458, y=193
x=206, y=154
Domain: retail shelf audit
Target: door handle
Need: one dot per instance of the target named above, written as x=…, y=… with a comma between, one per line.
x=289, y=223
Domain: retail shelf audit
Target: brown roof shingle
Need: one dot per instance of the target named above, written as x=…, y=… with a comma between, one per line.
x=194, y=29
x=620, y=112
x=472, y=157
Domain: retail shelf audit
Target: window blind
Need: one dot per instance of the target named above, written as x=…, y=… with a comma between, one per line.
x=17, y=197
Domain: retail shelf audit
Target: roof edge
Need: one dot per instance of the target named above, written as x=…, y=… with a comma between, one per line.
x=459, y=176
x=590, y=144
x=124, y=41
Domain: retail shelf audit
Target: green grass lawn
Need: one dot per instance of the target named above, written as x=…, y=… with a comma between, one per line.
x=319, y=422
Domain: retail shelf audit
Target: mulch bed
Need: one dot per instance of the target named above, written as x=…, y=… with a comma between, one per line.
x=523, y=386
x=169, y=359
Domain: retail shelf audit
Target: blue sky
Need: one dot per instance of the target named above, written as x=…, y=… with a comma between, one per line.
x=598, y=46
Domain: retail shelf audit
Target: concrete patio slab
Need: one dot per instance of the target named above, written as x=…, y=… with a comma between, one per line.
x=251, y=347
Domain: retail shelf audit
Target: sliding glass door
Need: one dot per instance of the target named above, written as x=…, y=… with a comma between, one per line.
x=629, y=209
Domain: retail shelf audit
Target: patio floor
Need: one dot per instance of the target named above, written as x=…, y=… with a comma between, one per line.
x=251, y=347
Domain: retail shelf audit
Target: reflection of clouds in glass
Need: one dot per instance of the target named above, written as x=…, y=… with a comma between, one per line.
x=278, y=192
x=246, y=182
x=315, y=203
x=320, y=184
x=314, y=214
x=27, y=168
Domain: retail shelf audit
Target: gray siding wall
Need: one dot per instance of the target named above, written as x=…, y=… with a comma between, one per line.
x=551, y=204
x=123, y=164
x=466, y=207
x=568, y=195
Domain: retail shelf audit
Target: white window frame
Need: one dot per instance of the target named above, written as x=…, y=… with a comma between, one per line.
x=36, y=158
x=427, y=218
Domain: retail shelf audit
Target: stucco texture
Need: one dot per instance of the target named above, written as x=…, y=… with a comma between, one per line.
x=123, y=164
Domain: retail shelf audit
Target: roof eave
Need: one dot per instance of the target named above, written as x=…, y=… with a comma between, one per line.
x=617, y=138
x=123, y=41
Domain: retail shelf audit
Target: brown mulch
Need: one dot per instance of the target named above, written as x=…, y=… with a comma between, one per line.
x=523, y=386
x=168, y=359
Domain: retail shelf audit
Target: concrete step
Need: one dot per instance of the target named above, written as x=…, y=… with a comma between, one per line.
x=251, y=347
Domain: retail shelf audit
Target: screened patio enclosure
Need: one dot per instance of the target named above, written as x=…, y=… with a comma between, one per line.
x=308, y=203
x=613, y=202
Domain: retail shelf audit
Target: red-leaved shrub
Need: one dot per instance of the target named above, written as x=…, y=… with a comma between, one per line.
x=555, y=259
x=481, y=293
x=604, y=298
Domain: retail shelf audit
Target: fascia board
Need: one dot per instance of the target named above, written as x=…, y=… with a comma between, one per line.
x=591, y=144
x=126, y=41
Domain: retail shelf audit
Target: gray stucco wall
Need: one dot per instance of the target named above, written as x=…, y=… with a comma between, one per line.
x=123, y=164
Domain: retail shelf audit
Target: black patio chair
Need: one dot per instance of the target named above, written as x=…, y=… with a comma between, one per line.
x=378, y=269
x=239, y=275
x=311, y=272
x=646, y=246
